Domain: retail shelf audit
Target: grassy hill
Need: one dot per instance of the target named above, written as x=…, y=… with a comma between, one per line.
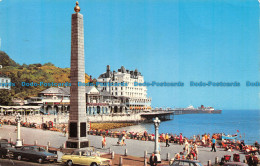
x=36, y=73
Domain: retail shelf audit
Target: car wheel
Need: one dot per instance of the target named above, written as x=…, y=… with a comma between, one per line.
x=69, y=163
x=2, y=156
x=40, y=160
x=93, y=164
x=19, y=157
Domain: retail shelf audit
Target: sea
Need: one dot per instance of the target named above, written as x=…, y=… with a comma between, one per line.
x=245, y=123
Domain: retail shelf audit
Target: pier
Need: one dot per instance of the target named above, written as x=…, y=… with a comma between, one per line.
x=185, y=111
x=162, y=115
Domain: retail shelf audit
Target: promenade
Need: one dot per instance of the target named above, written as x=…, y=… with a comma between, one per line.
x=134, y=147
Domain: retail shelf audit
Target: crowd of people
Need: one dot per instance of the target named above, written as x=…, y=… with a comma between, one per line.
x=190, y=145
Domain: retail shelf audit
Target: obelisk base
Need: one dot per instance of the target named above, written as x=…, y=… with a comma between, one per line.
x=77, y=134
x=76, y=144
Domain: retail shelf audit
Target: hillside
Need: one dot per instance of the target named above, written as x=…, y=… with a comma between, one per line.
x=36, y=73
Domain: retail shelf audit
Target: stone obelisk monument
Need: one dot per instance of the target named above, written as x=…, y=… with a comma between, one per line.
x=77, y=118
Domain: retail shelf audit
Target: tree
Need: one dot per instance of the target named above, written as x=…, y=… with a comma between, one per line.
x=5, y=60
x=5, y=97
x=48, y=64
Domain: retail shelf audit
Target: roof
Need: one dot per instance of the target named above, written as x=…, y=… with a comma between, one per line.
x=20, y=107
x=190, y=161
x=3, y=76
x=91, y=89
x=60, y=90
x=66, y=90
x=109, y=74
x=105, y=93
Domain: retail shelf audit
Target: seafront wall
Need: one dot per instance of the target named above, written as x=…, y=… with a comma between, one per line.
x=63, y=119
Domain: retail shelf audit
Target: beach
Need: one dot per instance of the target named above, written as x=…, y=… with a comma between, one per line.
x=244, y=123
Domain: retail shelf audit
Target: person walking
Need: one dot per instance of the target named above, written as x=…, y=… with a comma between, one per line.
x=153, y=160
x=167, y=140
x=194, y=139
x=145, y=136
x=123, y=140
x=104, y=141
x=195, y=147
x=206, y=139
x=64, y=130
x=213, y=147
x=186, y=147
x=181, y=139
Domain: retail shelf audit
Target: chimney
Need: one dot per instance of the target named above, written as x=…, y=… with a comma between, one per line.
x=108, y=68
x=108, y=71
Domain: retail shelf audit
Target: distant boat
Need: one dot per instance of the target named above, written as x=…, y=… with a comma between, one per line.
x=229, y=136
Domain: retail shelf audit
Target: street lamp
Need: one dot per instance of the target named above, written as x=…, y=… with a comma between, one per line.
x=18, y=141
x=156, y=143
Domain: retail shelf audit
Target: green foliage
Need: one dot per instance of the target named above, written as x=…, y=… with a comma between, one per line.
x=35, y=73
x=5, y=97
x=5, y=60
x=48, y=64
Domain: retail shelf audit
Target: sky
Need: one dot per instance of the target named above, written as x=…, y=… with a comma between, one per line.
x=166, y=40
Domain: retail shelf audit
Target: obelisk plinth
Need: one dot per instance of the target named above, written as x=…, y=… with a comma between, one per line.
x=77, y=119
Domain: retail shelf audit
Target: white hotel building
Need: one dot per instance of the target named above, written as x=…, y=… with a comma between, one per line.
x=137, y=95
x=5, y=82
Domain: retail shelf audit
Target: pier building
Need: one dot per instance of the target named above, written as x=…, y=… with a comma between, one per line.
x=56, y=100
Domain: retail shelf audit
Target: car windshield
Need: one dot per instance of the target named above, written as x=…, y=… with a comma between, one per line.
x=198, y=164
x=86, y=153
x=40, y=149
x=185, y=163
x=5, y=145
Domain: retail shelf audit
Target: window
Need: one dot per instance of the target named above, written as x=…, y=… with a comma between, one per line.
x=6, y=83
x=185, y=163
x=26, y=148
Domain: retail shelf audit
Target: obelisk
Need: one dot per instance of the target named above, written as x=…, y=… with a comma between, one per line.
x=77, y=119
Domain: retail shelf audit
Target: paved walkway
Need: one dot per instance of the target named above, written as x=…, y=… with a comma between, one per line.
x=134, y=147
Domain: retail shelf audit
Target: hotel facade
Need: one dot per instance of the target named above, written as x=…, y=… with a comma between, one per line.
x=123, y=84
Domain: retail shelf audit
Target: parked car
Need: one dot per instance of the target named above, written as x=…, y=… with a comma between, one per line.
x=5, y=147
x=36, y=153
x=85, y=156
x=235, y=164
x=186, y=163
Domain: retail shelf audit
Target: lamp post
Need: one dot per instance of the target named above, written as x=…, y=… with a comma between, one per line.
x=18, y=141
x=156, y=143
